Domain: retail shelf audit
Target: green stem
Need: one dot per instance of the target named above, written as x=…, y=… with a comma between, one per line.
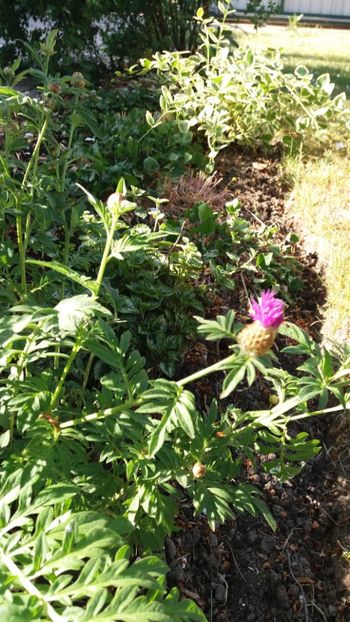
x=73, y=127
x=219, y=366
x=23, y=236
x=21, y=252
x=85, y=379
x=33, y=162
x=100, y=414
x=76, y=346
x=325, y=411
x=105, y=256
x=65, y=373
x=30, y=587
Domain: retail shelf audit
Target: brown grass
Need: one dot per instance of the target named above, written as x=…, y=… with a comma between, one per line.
x=320, y=202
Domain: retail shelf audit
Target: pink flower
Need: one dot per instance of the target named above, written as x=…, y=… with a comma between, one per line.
x=268, y=310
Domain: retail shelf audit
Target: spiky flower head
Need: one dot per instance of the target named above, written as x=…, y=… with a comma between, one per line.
x=268, y=310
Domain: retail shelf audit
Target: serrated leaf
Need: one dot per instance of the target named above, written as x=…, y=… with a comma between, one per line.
x=221, y=328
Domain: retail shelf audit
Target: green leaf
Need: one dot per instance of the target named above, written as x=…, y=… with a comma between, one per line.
x=297, y=334
x=158, y=436
x=151, y=165
x=184, y=412
x=233, y=378
x=17, y=613
x=82, y=280
x=6, y=90
x=221, y=328
x=77, y=310
x=149, y=118
x=176, y=406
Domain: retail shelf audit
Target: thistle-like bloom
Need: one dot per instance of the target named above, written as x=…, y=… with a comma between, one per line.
x=267, y=312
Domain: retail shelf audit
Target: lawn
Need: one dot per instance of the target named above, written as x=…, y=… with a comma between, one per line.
x=321, y=50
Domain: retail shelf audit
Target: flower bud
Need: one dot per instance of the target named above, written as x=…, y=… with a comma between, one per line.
x=114, y=200
x=78, y=80
x=199, y=470
x=54, y=87
x=256, y=340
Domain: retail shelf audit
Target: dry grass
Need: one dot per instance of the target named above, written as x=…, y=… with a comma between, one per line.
x=320, y=202
x=322, y=50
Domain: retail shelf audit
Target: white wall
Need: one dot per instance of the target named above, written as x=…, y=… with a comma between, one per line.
x=318, y=7
x=313, y=7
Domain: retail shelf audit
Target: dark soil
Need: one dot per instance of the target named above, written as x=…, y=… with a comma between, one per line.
x=243, y=572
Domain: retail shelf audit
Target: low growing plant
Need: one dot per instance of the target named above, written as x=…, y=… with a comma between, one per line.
x=240, y=95
x=97, y=449
x=93, y=466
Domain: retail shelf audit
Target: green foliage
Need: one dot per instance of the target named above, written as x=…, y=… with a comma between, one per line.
x=241, y=95
x=97, y=298
x=128, y=28
x=126, y=141
x=30, y=22
x=259, y=11
x=136, y=27
x=58, y=563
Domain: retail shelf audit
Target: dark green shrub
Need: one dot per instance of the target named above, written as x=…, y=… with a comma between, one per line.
x=259, y=11
x=129, y=28
x=31, y=21
x=137, y=28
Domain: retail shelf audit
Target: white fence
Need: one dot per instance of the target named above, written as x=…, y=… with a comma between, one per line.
x=330, y=8
x=334, y=8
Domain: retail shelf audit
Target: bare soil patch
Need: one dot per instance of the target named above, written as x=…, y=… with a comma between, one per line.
x=243, y=572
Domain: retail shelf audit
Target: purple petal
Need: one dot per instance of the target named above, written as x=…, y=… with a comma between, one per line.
x=268, y=310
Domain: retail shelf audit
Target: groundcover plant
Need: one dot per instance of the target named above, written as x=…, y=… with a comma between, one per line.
x=242, y=94
x=99, y=442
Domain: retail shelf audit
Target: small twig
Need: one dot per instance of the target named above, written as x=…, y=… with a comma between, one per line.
x=313, y=604
x=244, y=286
x=300, y=587
x=235, y=561
x=226, y=586
x=261, y=222
x=289, y=537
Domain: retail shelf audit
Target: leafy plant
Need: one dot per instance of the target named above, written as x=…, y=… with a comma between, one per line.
x=240, y=95
x=136, y=28
x=259, y=12
x=58, y=563
x=294, y=20
x=127, y=29
x=97, y=448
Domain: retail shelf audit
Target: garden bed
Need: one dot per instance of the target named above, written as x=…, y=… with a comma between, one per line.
x=139, y=403
x=243, y=572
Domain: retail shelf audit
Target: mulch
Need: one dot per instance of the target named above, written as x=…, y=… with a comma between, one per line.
x=243, y=572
